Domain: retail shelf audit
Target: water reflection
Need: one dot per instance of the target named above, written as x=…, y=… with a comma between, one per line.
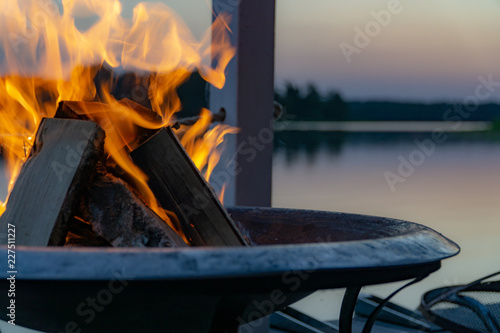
x=455, y=191
x=292, y=144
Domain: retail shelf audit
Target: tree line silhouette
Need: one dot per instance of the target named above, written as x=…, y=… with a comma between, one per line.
x=310, y=105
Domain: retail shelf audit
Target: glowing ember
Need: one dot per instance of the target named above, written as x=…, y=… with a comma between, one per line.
x=46, y=59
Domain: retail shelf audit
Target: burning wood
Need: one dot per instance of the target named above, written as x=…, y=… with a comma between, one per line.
x=133, y=136
x=116, y=215
x=121, y=218
x=107, y=116
x=174, y=177
x=35, y=79
x=51, y=181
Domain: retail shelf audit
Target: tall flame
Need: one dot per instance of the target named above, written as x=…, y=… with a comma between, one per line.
x=202, y=143
x=45, y=59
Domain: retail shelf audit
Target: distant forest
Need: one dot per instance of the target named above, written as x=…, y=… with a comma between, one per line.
x=310, y=105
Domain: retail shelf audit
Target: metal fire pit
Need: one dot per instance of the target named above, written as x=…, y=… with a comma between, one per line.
x=215, y=289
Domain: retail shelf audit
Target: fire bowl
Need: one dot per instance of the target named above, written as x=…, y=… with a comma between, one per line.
x=214, y=289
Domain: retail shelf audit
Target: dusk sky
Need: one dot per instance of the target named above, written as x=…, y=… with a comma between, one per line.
x=430, y=50
x=425, y=50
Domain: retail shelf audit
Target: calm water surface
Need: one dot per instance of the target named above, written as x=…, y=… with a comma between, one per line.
x=455, y=190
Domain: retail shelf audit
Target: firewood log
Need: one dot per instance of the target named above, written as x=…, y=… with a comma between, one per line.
x=121, y=218
x=51, y=181
x=174, y=178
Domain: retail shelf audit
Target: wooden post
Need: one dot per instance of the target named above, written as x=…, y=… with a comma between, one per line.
x=248, y=99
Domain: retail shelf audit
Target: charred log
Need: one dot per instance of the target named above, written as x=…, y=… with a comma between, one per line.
x=121, y=218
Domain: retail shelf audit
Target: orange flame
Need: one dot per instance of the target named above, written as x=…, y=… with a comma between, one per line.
x=46, y=59
x=204, y=145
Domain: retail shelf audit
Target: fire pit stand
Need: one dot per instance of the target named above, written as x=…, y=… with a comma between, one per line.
x=212, y=289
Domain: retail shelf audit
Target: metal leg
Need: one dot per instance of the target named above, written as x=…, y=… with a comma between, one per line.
x=347, y=310
x=371, y=319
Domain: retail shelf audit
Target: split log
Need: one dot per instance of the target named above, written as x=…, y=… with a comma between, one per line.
x=81, y=110
x=142, y=133
x=121, y=218
x=174, y=178
x=50, y=183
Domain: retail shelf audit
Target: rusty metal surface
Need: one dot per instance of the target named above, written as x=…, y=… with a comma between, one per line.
x=316, y=250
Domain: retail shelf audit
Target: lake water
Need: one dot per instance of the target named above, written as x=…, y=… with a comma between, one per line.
x=455, y=189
